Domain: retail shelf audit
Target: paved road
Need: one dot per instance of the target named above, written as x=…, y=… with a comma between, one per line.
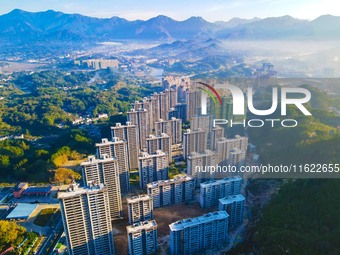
x=235, y=234
x=50, y=236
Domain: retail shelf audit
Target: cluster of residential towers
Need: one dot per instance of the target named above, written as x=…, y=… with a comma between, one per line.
x=146, y=142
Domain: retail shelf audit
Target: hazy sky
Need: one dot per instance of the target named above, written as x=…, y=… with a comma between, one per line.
x=211, y=10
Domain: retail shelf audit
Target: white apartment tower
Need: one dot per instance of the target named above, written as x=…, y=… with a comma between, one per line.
x=160, y=142
x=192, y=236
x=117, y=148
x=148, y=104
x=212, y=191
x=173, y=97
x=237, y=157
x=87, y=222
x=234, y=206
x=194, y=141
x=224, y=147
x=194, y=101
x=174, y=191
x=153, y=167
x=140, y=118
x=202, y=121
x=216, y=134
x=142, y=238
x=172, y=127
x=128, y=132
x=200, y=164
x=140, y=208
x=105, y=170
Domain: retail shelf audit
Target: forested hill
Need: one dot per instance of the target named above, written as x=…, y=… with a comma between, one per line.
x=304, y=216
x=316, y=139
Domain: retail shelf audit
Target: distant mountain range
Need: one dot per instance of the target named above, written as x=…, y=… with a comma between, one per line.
x=26, y=27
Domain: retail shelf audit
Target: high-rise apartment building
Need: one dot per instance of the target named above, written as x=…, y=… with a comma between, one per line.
x=163, y=103
x=234, y=206
x=100, y=63
x=87, y=222
x=237, y=157
x=128, y=132
x=156, y=109
x=212, y=191
x=140, y=208
x=160, y=142
x=171, y=127
x=105, y=170
x=194, y=102
x=174, y=191
x=153, y=167
x=194, y=141
x=224, y=146
x=175, y=82
x=140, y=118
x=173, y=97
x=117, y=148
x=194, y=235
x=217, y=133
x=179, y=112
x=242, y=142
x=199, y=165
x=202, y=121
x=148, y=104
x=142, y=238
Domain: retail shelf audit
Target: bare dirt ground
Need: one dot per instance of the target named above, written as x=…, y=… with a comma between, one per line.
x=163, y=216
x=120, y=236
x=167, y=215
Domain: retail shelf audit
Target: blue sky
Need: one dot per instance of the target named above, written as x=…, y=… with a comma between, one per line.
x=211, y=10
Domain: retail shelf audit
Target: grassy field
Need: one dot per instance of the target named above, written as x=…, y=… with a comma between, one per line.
x=45, y=216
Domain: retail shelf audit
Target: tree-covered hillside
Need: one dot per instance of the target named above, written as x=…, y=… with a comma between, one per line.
x=304, y=216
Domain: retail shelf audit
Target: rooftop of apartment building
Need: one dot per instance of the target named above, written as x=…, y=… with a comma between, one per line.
x=138, y=198
x=231, y=199
x=106, y=141
x=195, y=154
x=75, y=190
x=220, y=181
x=181, y=224
x=166, y=182
x=137, y=227
x=93, y=160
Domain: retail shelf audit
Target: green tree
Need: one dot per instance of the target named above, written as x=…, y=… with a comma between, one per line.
x=11, y=234
x=4, y=161
x=65, y=175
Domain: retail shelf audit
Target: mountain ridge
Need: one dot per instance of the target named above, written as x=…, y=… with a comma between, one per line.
x=20, y=26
